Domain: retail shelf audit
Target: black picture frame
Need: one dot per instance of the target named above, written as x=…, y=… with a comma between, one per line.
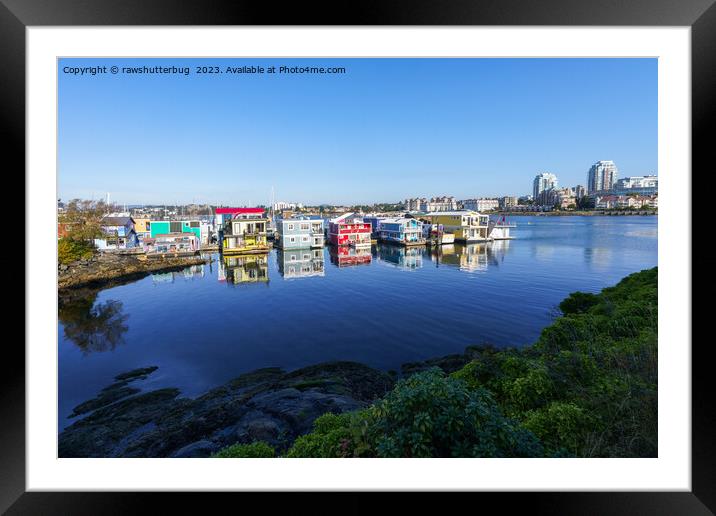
x=700, y=15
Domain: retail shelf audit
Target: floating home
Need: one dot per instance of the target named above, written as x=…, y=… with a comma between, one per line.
x=245, y=232
x=435, y=234
x=467, y=226
x=171, y=243
x=400, y=230
x=168, y=227
x=500, y=228
x=299, y=233
x=300, y=263
x=118, y=233
x=349, y=230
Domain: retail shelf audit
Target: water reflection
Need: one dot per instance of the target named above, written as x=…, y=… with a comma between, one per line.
x=300, y=263
x=93, y=328
x=240, y=269
x=344, y=256
x=467, y=257
x=404, y=257
x=190, y=273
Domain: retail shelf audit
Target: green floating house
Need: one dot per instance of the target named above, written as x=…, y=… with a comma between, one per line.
x=165, y=227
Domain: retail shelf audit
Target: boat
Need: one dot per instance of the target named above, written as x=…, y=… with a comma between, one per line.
x=499, y=229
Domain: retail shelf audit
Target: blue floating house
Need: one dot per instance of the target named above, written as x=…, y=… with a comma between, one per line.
x=400, y=230
x=300, y=233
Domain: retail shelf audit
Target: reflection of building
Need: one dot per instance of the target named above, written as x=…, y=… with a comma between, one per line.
x=299, y=233
x=344, y=256
x=249, y=268
x=467, y=226
x=405, y=257
x=474, y=257
x=300, y=263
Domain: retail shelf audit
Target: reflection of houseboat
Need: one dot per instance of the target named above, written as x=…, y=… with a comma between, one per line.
x=300, y=263
x=349, y=230
x=299, y=233
x=466, y=226
x=245, y=233
x=468, y=257
x=171, y=243
x=344, y=256
x=250, y=268
x=499, y=228
x=435, y=234
x=405, y=257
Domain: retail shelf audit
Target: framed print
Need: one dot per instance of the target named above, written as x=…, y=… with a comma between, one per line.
x=405, y=249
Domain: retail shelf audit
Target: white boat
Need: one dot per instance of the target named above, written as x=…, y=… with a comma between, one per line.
x=499, y=229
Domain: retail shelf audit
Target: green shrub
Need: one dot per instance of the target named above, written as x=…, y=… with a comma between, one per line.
x=431, y=415
x=69, y=250
x=255, y=450
x=578, y=302
x=329, y=438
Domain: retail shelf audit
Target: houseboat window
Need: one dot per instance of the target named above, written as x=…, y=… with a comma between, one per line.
x=292, y=239
x=194, y=224
x=305, y=226
x=290, y=227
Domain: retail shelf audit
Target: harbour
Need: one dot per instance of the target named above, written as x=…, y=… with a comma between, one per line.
x=292, y=308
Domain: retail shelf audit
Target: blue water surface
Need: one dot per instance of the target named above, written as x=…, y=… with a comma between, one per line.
x=208, y=324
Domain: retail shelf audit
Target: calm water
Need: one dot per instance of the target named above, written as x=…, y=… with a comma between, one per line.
x=211, y=323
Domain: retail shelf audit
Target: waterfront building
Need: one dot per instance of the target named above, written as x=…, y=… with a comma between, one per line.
x=118, y=233
x=349, y=230
x=165, y=227
x=601, y=177
x=300, y=263
x=467, y=226
x=171, y=243
x=637, y=185
x=480, y=205
x=141, y=227
x=400, y=230
x=299, y=233
x=542, y=182
x=245, y=232
x=444, y=203
x=414, y=204
x=507, y=202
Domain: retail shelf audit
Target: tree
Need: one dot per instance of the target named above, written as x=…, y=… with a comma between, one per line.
x=83, y=219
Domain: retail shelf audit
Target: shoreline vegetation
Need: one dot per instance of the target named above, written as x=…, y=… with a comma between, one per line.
x=586, y=388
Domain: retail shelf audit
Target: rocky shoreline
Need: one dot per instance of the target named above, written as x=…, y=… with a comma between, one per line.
x=107, y=269
x=268, y=404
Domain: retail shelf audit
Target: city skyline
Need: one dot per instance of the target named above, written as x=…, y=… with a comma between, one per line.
x=468, y=128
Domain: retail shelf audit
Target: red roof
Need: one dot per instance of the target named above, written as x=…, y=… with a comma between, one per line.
x=233, y=211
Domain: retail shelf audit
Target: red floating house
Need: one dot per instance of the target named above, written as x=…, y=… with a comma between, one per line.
x=349, y=229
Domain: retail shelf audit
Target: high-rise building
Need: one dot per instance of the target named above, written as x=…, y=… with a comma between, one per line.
x=542, y=182
x=580, y=191
x=601, y=177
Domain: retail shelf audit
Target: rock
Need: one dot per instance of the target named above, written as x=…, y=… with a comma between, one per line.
x=142, y=372
x=265, y=405
x=201, y=448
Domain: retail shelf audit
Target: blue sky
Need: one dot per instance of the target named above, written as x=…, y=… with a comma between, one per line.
x=385, y=130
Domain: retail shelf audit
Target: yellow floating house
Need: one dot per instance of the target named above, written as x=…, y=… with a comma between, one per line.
x=467, y=226
x=245, y=233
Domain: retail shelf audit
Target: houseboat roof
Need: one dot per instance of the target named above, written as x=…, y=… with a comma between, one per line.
x=346, y=216
x=395, y=220
x=234, y=211
x=116, y=221
x=450, y=213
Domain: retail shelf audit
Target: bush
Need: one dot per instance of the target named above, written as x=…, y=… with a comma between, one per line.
x=330, y=438
x=431, y=415
x=69, y=250
x=255, y=450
